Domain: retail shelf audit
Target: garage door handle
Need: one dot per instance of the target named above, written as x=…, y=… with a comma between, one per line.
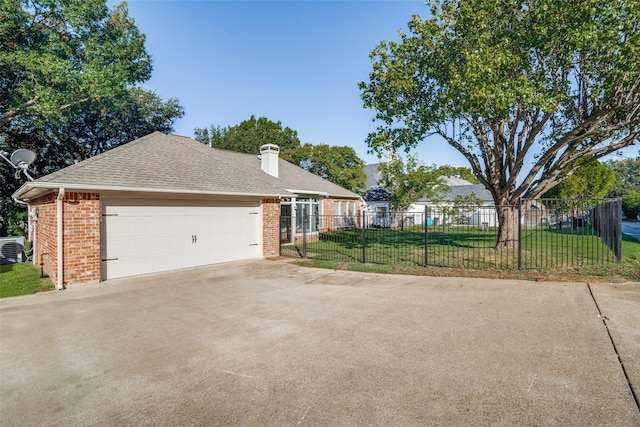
x=109, y=259
x=194, y=239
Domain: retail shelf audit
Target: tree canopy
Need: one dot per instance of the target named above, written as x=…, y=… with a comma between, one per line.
x=248, y=136
x=522, y=88
x=340, y=165
x=461, y=171
x=407, y=181
x=56, y=54
x=68, y=71
x=627, y=176
x=592, y=180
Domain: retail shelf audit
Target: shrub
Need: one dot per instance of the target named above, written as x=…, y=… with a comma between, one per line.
x=631, y=204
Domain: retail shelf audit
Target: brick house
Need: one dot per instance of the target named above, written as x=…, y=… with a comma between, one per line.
x=165, y=202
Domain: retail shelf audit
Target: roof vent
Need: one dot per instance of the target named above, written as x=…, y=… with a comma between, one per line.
x=269, y=157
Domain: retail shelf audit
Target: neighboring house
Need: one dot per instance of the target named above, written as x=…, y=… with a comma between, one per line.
x=376, y=198
x=442, y=211
x=164, y=202
x=378, y=206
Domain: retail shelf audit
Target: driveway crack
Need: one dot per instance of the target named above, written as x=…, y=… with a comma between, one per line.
x=615, y=349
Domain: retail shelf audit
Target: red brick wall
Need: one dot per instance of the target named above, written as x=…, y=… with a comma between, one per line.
x=270, y=227
x=46, y=234
x=81, y=236
x=328, y=210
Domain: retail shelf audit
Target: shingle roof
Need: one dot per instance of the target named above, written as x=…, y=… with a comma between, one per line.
x=373, y=174
x=466, y=190
x=174, y=163
x=372, y=171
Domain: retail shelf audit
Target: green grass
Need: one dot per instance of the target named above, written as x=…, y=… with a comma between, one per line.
x=394, y=251
x=22, y=279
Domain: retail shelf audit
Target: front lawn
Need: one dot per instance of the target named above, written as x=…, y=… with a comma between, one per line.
x=463, y=250
x=22, y=279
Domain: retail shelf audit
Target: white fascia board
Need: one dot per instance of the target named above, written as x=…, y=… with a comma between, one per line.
x=52, y=185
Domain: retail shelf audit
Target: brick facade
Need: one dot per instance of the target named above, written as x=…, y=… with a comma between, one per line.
x=82, y=233
x=270, y=227
x=46, y=233
x=81, y=236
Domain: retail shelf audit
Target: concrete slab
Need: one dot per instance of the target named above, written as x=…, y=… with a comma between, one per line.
x=620, y=308
x=270, y=343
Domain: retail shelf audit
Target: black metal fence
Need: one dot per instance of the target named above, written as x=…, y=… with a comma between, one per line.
x=546, y=233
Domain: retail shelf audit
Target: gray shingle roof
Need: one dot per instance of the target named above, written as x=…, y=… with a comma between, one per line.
x=174, y=163
x=373, y=174
x=465, y=190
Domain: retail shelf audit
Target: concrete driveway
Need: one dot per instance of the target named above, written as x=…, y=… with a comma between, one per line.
x=270, y=343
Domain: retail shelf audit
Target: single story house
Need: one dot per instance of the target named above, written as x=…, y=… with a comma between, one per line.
x=443, y=211
x=165, y=202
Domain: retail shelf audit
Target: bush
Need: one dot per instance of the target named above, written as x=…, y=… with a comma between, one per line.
x=631, y=204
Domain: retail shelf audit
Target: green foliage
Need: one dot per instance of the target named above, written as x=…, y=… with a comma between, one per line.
x=504, y=82
x=67, y=75
x=249, y=136
x=631, y=204
x=15, y=218
x=461, y=171
x=22, y=279
x=56, y=54
x=340, y=165
x=501, y=80
x=409, y=181
x=627, y=176
x=591, y=181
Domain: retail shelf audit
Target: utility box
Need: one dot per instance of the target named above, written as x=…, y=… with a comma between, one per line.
x=11, y=249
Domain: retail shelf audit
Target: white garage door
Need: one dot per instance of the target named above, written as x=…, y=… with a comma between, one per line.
x=160, y=235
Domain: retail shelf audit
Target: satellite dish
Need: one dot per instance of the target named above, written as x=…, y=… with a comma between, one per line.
x=23, y=157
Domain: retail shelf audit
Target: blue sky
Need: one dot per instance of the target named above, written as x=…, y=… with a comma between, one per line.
x=297, y=61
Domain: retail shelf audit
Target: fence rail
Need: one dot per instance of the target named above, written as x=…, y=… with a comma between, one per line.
x=549, y=233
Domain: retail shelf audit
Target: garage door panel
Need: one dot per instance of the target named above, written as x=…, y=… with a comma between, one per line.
x=163, y=235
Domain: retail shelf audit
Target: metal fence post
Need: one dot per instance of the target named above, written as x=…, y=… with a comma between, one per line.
x=519, y=233
x=426, y=235
x=364, y=238
x=304, y=235
x=617, y=205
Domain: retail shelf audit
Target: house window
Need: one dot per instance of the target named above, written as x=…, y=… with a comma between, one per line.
x=307, y=212
x=344, y=214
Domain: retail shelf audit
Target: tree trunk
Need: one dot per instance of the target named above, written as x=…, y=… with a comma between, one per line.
x=507, y=227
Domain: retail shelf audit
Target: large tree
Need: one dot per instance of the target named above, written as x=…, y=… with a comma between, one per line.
x=248, y=136
x=68, y=71
x=56, y=54
x=522, y=88
x=340, y=165
x=89, y=130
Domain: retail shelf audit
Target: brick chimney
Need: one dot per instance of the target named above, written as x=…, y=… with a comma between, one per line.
x=269, y=157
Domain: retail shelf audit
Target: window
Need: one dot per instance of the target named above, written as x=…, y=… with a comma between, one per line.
x=344, y=214
x=308, y=212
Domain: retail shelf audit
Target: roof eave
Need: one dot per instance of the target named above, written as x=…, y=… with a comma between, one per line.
x=53, y=186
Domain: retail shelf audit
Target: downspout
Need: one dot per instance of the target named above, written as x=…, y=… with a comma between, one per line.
x=60, y=286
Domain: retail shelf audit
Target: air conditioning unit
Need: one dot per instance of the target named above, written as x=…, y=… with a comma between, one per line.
x=11, y=250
